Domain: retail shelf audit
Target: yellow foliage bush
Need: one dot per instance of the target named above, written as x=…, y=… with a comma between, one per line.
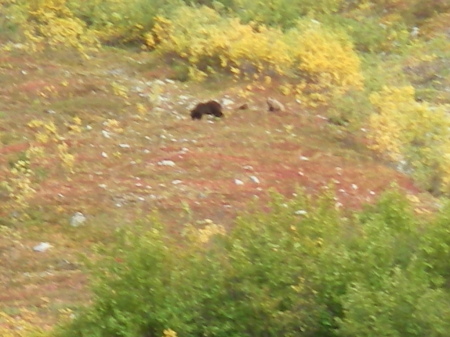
x=19, y=185
x=326, y=60
x=208, y=41
x=414, y=133
x=50, y=24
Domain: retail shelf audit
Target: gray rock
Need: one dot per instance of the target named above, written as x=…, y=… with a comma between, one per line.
x=42, y=247
x=238, y=182
x=166, y=163
x=254, y=179
x=77, y=219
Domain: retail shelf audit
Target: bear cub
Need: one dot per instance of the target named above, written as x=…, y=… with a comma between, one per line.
x=208, y=108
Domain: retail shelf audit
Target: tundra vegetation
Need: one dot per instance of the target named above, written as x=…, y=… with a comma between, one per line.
x=378, y=71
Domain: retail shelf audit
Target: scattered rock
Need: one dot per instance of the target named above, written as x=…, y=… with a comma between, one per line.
x=106, y=134
x=77, y=219
x=227, y=102
x=275, y=105
x=243, y=107
x=254, y=179
x=42, y=247
x=124, y=146
x=166, y=163
x=414, y=32
x=238, y=182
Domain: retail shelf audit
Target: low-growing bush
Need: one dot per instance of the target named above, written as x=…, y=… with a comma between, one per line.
x=414, y=134
x=299, y=268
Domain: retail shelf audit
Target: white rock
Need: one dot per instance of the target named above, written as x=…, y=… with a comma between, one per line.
x=176, y=182
x=304, y=158
x=77, y=219
x=42, y=247
x=238, y=182
x=104, y=155
x=106, y=134
x=414, y=32
x=254, y=179
x=226, y=101
x=166, y=163
x=124, y=146
x=301, y=212
x=354, y=186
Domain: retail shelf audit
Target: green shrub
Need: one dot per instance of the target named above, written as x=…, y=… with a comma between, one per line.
x=119, y=22
x=405, y=303
x=436, y=245
x=298, y=268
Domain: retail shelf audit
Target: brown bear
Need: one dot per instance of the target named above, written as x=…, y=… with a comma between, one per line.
x=208, y=108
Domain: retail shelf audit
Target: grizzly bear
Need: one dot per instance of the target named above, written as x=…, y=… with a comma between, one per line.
x=208, y=108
